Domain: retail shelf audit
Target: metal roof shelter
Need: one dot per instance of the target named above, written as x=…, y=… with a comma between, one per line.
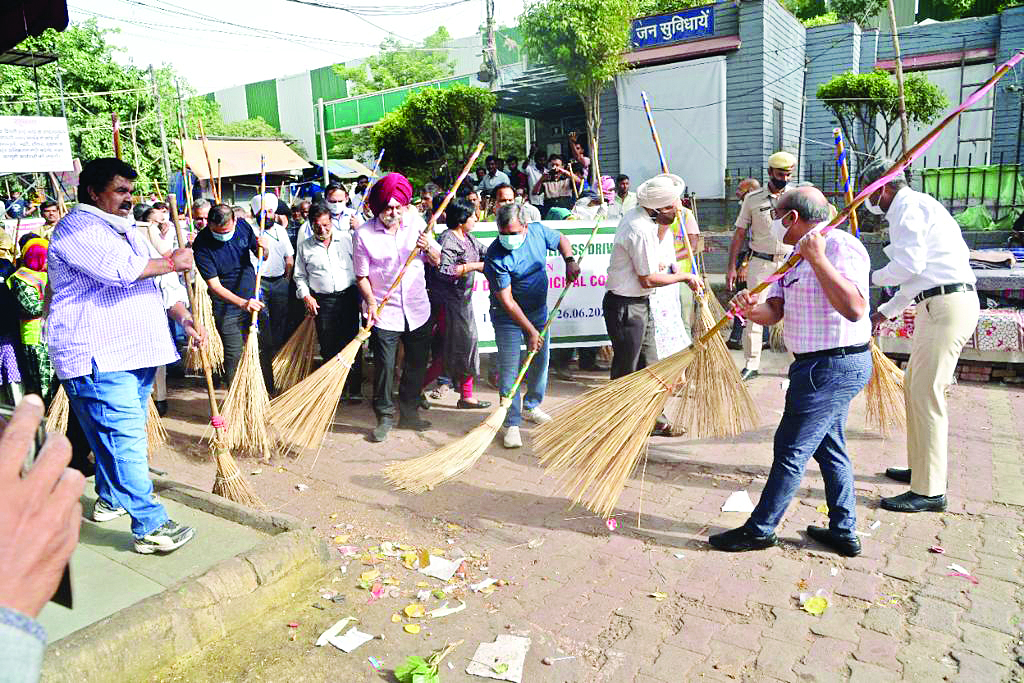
x=26, y=58
x=242, y=157
x=539, y=93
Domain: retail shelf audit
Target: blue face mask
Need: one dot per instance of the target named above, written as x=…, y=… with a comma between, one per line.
x=512, y=242
x=223, y=236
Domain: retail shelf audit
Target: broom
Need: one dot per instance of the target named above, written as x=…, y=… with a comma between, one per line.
x=715, y=382
x=228, y=482
x=303, y=414
x=57, y=416
x=247, y=403
x=886, y=406
x=599, y=438
x=156, y=435
x=424, y=473
x=294, y=361
x=209, y=165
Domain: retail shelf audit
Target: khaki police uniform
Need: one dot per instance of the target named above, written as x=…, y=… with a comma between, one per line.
x=767, y=255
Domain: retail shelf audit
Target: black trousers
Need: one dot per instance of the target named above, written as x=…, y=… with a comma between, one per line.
x=384, y=344
x=233, y=326
x=336, y=325
x=275, y=296
x=631, y=330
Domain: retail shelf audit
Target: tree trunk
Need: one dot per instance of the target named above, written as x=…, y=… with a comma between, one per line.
x=592, y=110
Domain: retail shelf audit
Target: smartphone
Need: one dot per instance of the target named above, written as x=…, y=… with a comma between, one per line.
x=63, y=595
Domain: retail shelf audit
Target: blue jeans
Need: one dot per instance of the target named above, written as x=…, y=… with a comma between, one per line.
x=813, y=425
x=111, y=406
x=509, y=337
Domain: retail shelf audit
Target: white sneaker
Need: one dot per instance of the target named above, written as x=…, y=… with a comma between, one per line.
x=165, y=538
x=536, y=416
x=102, y=512
x=512, y=438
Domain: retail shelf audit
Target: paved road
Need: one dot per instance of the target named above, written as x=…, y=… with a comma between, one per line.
x=894, y=613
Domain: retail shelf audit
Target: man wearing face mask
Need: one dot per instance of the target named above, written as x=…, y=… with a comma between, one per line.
x=824, y=301
x=380, y=248
x=342, y=215
x=929, y=262
x=636, y=267
x=735, y=341
x=277, y=268
x=107, y=332
x=767, y=251
x=516, y=270
x=326, y=284
x=223, y=256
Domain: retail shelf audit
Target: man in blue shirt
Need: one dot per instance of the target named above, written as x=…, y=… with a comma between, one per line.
x=222, y=256
x=516, y=269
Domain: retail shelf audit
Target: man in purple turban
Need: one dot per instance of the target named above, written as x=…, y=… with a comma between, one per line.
x=382, y=245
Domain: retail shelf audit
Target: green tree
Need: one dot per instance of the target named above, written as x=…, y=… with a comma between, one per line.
x=870, y=102
x=87, y=66
x=400, y=64
x=433, y=131
x=585, y=40
x=860, y=11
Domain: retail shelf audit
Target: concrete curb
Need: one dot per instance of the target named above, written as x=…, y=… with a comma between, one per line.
x=199, y=610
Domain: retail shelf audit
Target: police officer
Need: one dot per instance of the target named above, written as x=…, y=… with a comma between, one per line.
x=767, y=252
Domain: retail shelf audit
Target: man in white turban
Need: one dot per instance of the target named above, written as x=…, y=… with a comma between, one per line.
x=642, y=259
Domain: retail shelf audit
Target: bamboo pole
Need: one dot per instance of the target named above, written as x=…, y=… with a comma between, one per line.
x=116, y=122
x=844, y=174
x=209, y=165
x=902, y=103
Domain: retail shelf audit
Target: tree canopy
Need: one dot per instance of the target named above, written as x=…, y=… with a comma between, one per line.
x=400, y=64
x=870, y=102
x=95, y=85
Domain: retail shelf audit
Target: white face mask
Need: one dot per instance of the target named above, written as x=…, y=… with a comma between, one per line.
x=118, y=223
x=778, y=230
x=874, y=208
x=335, y=207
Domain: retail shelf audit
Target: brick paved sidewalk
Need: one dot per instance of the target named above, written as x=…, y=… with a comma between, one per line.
x=894, y=613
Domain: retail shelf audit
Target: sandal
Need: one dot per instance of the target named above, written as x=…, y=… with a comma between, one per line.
x=439, y=392
x=472, y=405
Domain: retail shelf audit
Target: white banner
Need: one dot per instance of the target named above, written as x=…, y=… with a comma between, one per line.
x=34, y=144
x=580, y=320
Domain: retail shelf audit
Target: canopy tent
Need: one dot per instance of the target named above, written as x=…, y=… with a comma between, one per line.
x=242, y=157
x=346, y=169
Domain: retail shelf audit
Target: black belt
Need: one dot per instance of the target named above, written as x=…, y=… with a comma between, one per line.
x=764, y=257
x=628, y=299
x=943, y=289
x=272, y=278
x=837, y=351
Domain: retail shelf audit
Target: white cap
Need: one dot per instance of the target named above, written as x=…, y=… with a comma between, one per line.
x=660, y=191
x=268, y=201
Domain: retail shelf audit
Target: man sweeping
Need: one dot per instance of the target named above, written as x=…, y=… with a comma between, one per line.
x=107, y=332
x=380, y=248
x=824, y=301
x=766, y=252
x=642, y=259
x=929, y=262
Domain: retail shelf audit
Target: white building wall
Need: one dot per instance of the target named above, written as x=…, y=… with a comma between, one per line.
x=294, y=97
x=232, y=104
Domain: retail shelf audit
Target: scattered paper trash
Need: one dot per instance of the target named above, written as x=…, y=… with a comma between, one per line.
x=374, y=662
x=411, y=628
x=413, y=611
x=351, y=640
x=535, y=543
x=957, y=570
x=679, y=556
x=816, y=605
x=301, y=487
x=348, y=550
x=658, y=595
x=823, y=509
x=440, y=568
x=444, y=610
x=835, y=571
x=612, y=523
x=333, y=631
x=477, y=587
x=738, y=501
x=874, y=525
x=937, y=549
x=256, y=471
x=501, y=660
x=548, y=661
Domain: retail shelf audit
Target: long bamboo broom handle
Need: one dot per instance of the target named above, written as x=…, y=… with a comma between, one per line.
x=373, y=175
x=209, y=166
x=844, y=175
x=259, y=250
x=116, y=123
x=664, y=169
x=220, y=188
x=430, y=225
x=911, y=154
x=172, y=202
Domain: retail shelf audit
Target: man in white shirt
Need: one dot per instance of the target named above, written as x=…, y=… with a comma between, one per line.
x=342, y=215
x=635, y=269
x=326, y=283
x=493, y=177
x=534, y=172
x=929, y=262
x=623, y=199
x=277, y=267
x=504, y=194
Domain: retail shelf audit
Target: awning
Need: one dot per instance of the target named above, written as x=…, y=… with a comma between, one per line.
x=347, y=169
x=539, y=93
x=23, y=18
x=241, y=157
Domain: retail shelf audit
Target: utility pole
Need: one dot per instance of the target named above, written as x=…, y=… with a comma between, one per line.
x=904, y=127
x=323, y=142
x=491, y=59
x=163, y=131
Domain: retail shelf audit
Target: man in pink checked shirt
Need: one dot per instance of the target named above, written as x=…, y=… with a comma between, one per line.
x=379, y=250
x=824, y=301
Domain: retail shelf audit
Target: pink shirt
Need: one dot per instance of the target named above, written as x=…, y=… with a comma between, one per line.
x=379, y=256
x=810, y=322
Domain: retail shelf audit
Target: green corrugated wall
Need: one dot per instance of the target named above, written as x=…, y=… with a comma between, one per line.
x=327, y=84
x=261, y=101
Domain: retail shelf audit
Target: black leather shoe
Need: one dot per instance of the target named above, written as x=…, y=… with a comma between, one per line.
x=912, y=502
x=161, y=408
x=380, y=432
x=898, y=474
x=747, y=374
x=415, y=423
x=740, y=540
x=734, y=345
x=423, y=402
x=848, y=546
x=472, y=405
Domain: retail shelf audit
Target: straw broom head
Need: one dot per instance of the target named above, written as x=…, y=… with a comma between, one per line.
x=303, y=414
x=247, y=405
x=57, y=417
x=213, y=348
x=886, y=406
x=156, y=435
x=229, y=482
x=596, y=441
x=714, y=402
x=776, y=337
x=424, y=473
x=294, y=361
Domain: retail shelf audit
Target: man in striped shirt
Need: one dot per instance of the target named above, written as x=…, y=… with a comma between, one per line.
x=824, y=301
x=107, y=332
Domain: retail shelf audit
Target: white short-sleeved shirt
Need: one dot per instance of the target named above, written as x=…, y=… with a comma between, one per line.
x=636, y=252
